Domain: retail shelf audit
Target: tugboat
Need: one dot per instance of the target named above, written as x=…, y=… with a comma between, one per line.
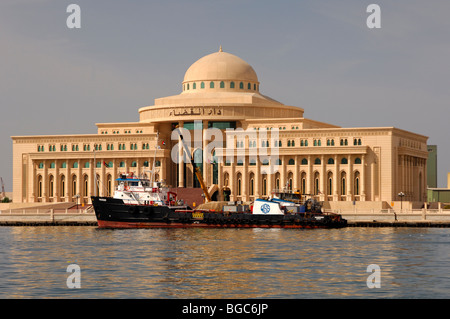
x=137, y=205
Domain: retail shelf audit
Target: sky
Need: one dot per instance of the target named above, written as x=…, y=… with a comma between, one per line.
x=319, y=55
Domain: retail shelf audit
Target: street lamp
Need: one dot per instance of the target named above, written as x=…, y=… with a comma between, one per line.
x=401, y=195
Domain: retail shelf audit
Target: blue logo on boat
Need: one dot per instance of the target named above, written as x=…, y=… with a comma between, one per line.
x=265, y=208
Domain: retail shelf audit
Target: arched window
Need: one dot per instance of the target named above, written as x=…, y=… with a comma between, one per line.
x=157, y=163
x=202, y=85
x=330, y=161
x=330, y=186
x=302, y=143
x=52, y=165
x=187, y=86
x=357, y=160
x=222, y=85
x=145, y=163
x=291, y=162
x=306, y=142
x=98, y=164
x=63, y=165
x=264, y=188
x=293, y=143
x=278, y=161
x=317, y=161
x=211, y=85
x=343, y=183
x=122, y=164
x=75, y=165
x=356, y=184
x=74, y=185
x=316, y=184
x=86, y=165
x=39, y=186
x=63, y=186
x=51, y=186
x=249, y=86
x=86, y=185
x=359, y=141
x=110, y=164
x=304, y=161
x=194, y=86
x=241, y=85
x=319, y=143
x=232, y=85
x=289, y=143
x=344, y=161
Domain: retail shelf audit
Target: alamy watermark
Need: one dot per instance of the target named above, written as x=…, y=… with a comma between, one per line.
x=74, y=279
x=374, y=279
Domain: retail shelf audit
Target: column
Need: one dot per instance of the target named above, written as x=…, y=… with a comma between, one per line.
x=349, y=179
x=336, y=179
x=295, y=183
x=163, y=170
x=258, y=179
x=206, y=164
x=233, y=181
x=45, y=182
x=363, y=178
x=323, y=179
x=181, y=162
x=57, y=183
x=309, y=177
x=68, y=182
x=103, y=184
x=283, y=179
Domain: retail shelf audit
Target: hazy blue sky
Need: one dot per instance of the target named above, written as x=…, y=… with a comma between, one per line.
x=319, y=55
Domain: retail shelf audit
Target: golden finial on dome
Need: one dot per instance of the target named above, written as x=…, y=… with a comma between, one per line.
x=220, y=49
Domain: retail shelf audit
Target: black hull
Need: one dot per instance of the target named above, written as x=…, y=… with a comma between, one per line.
x=113, y=213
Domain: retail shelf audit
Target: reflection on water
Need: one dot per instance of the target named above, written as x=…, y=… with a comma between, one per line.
x=224, y=263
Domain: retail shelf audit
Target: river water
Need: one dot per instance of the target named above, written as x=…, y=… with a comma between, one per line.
x=224, y=263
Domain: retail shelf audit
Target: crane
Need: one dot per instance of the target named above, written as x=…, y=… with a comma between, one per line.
x=197, y=171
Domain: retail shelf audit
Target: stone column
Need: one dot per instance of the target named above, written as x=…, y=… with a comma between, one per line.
x=206, y=164
x=363, y=178
x=350, y=179
x=181, y=162
x=45, y=182
x=336, y=179
x=309, y=177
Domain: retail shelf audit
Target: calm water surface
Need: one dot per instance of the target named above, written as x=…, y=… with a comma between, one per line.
x=224, y=263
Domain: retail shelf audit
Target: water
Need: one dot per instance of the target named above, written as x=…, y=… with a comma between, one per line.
x=224, y=263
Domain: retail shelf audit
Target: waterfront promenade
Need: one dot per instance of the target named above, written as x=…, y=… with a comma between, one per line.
x=68, y=214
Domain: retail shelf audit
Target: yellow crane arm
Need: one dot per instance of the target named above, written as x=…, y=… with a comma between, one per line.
x=197, y=171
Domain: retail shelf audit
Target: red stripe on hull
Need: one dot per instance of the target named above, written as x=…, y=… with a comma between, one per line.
x=115, y=224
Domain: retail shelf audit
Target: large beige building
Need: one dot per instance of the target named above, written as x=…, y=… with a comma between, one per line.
x=222, y=91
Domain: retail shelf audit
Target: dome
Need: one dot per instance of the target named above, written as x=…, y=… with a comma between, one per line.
x=223, y=68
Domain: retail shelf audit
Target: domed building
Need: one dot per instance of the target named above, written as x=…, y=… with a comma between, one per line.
x=235, y=134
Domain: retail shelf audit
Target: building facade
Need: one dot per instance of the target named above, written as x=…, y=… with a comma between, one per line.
x=220, y=95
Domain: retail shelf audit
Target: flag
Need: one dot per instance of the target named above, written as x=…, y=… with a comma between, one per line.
x=104, y=163
x=163, y=143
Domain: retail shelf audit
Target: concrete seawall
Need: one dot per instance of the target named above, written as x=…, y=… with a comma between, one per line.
x=84, y=216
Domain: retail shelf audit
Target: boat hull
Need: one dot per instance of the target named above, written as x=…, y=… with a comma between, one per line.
x=113, y=213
